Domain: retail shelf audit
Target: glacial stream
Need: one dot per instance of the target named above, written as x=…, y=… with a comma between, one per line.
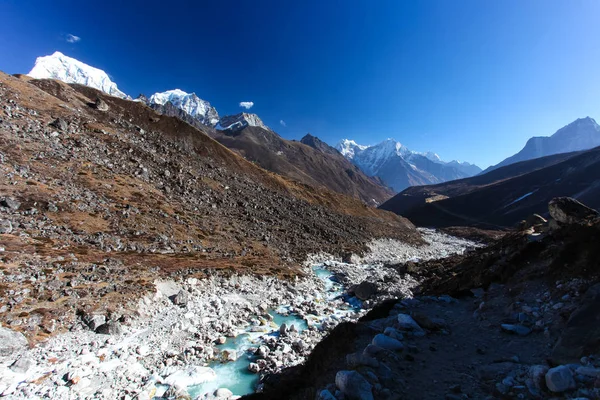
x=234, y=375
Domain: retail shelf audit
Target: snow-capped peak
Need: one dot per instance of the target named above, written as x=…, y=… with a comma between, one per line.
x=432, y=156
x=189, y=103
x=240, y=121
x=348, y=148
x=69, y=70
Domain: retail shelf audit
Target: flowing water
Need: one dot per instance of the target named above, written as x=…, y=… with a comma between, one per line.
x=234, y=375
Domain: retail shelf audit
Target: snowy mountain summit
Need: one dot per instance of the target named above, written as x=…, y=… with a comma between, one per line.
x=240, y=121
x=69, y=70
x=189, y=103
x=400, y=167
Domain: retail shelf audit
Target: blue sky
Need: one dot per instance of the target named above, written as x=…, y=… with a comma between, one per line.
x=470, y=80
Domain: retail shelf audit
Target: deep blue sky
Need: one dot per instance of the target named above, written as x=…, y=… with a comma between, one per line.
x=470, y=80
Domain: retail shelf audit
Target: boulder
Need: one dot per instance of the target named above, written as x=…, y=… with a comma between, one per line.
x=325, y=395
x=520, y=330
x=10, y=203
x=22, y=365
x=254, y=368
x=100, y=105
x=566, y=210
x=560, y=379
x=181, y=298
x=11, y=342
x=386, y=342
x=365, y=290
x=581, y=335
x=110, y=328
x=353, y=385
x=5, y=226
x=426, y=322
x=94, y=321
x=407, y=323
x=60, y=124
x=358, y=359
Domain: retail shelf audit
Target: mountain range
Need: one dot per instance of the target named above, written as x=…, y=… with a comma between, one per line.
x=581, y=134
x=400, y=167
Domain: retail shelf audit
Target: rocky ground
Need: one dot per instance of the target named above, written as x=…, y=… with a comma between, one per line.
x=516, y=319
x=174, y=333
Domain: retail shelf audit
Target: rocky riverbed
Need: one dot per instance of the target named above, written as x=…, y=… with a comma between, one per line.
x=192, y=337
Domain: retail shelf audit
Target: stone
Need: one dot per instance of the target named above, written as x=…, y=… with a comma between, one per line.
x=581, y=335
x=520, y=330
x=94, y=321
x=426, y=322
x=10, y=203
x=22, y=365
x=283, y=329
x=353, y=385
x=100, y=105
x=110, y=328
x=365, y=290
x=386, y=342
x=181, y=298
x=567, y=210
x=5, y=226
x=407, y=323
x=60, y=124
x=537, y=374
x=588, y=371
x=393, y=333
x=11, y=342
x=254, y=368
x=560, y=379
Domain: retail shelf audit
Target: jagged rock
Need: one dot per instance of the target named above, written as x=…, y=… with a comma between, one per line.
x=110, y=328
x=581, y=336
x=570, y=211
x=181, y=298
x=60, y=124
x=10, y=203
x=365, y=290
x=353, y=385
x=94, y=321
x=386, y=342
x=560, y=379
x=11, y=342
x=100, y=105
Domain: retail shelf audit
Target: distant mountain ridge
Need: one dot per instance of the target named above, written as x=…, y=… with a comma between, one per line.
x=400, y=167
x=189, y=103
x=581, y=134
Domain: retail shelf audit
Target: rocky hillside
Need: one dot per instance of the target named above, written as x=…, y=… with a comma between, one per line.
x=101, y=196
x=303, y=163
x=505, y=196
x=581, y=134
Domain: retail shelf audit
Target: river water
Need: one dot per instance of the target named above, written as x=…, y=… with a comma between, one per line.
x=234, y=375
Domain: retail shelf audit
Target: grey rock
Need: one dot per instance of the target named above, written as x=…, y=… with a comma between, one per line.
x=5, y=226
x=353, y=385
x=407, y=323
x=100, y=105
x=22, y=365
x=254, y=368
x=429, y=323
x=365, y=290
x=537, y=374
x=11, y=342
x=516, y=329
x=386, y=342
x=110, y=328
x=283, y=329
x=325, y=395
x=560, y=379
x=60, y=124
x=94, y=321
x=181, y=298
x=10, y=203
x=567, y=210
